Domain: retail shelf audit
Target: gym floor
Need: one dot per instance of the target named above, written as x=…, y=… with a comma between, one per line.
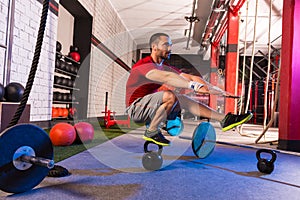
x=114, y=170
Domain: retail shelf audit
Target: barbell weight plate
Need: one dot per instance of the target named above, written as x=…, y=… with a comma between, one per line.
x=13, y=180
x=204, y=140
x=174, y=127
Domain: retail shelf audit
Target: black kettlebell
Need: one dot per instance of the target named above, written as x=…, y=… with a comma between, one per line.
x=264, y=165
x=152, y=160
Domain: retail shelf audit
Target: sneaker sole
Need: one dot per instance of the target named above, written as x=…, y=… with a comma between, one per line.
x=154, y=141
x=237, y=123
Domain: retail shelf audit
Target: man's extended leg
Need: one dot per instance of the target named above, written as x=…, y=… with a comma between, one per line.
x=227, y=122
x=199, y=109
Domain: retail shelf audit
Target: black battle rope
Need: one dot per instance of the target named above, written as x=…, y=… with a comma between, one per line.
x=57, y=171
x=34, y=65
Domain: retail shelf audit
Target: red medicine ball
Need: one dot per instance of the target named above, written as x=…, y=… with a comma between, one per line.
x=54, y=112
x=62, y=134
x=85, y=132
x=75, y=56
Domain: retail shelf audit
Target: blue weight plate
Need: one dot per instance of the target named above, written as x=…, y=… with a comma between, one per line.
x=174, y=127
x=204, y=140
x=13, y=180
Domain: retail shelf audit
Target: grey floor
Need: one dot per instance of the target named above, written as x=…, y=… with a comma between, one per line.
x=114, y=170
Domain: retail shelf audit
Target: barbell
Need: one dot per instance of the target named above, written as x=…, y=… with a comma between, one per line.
x=26, y=157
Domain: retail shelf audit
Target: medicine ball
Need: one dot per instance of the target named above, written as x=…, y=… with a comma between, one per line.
x=84, y=132
x=54, y=112
x=58, y=46
x=73, y=48
x=65, y=112
x=13, y=92
x=57, y=63
x=2, y=91
x=62, y=65
x=74, y=53
x=65, y=81
x=70, y=83
x=75, y=56
x=69, y=97
x=60, y=112
x=62, y=134
x=65, y=96
x=75, y=68
x=72, y=113
x=58, y=56
x=72, y=69
x=67, y=67
x=59, y=96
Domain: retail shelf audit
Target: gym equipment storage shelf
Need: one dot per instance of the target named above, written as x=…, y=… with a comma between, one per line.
x=66, y=73
x=65, y=87
x=64, y=83
x=65, y=102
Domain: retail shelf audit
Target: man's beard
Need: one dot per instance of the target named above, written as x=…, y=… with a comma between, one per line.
x=166, y=56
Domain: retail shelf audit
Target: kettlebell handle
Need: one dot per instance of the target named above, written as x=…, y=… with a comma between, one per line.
x=160, y=147
x=273, y=154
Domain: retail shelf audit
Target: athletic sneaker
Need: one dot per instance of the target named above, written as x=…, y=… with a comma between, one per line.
x=156, y=137
x=230, y=121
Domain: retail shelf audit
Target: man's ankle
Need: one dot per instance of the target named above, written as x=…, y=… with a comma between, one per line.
x=150, y=133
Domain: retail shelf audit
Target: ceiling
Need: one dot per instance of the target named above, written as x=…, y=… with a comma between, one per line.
x=145, y=17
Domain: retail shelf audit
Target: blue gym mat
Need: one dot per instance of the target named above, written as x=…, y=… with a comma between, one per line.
x=114, y=170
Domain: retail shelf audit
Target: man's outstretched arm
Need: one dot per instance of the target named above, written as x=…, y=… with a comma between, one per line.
x=173, y=79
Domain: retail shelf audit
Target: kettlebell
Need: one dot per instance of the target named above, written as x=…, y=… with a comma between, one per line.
x=264, y=165
x=152, y=160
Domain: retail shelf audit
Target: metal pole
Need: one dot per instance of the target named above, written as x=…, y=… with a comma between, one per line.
x=9, y=41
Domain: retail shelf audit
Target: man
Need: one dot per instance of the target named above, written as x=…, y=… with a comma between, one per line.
x=146, y=104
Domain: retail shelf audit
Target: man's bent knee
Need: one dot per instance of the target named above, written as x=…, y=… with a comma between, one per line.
x=169, y=97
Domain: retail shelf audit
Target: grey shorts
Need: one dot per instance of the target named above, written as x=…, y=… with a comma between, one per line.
x=143, y=109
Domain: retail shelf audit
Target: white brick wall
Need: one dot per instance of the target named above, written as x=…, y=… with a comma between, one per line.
x=105, y=75
x=89, y=5
x=27, y=20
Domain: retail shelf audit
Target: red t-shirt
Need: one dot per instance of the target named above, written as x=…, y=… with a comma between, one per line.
x=138, y=85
